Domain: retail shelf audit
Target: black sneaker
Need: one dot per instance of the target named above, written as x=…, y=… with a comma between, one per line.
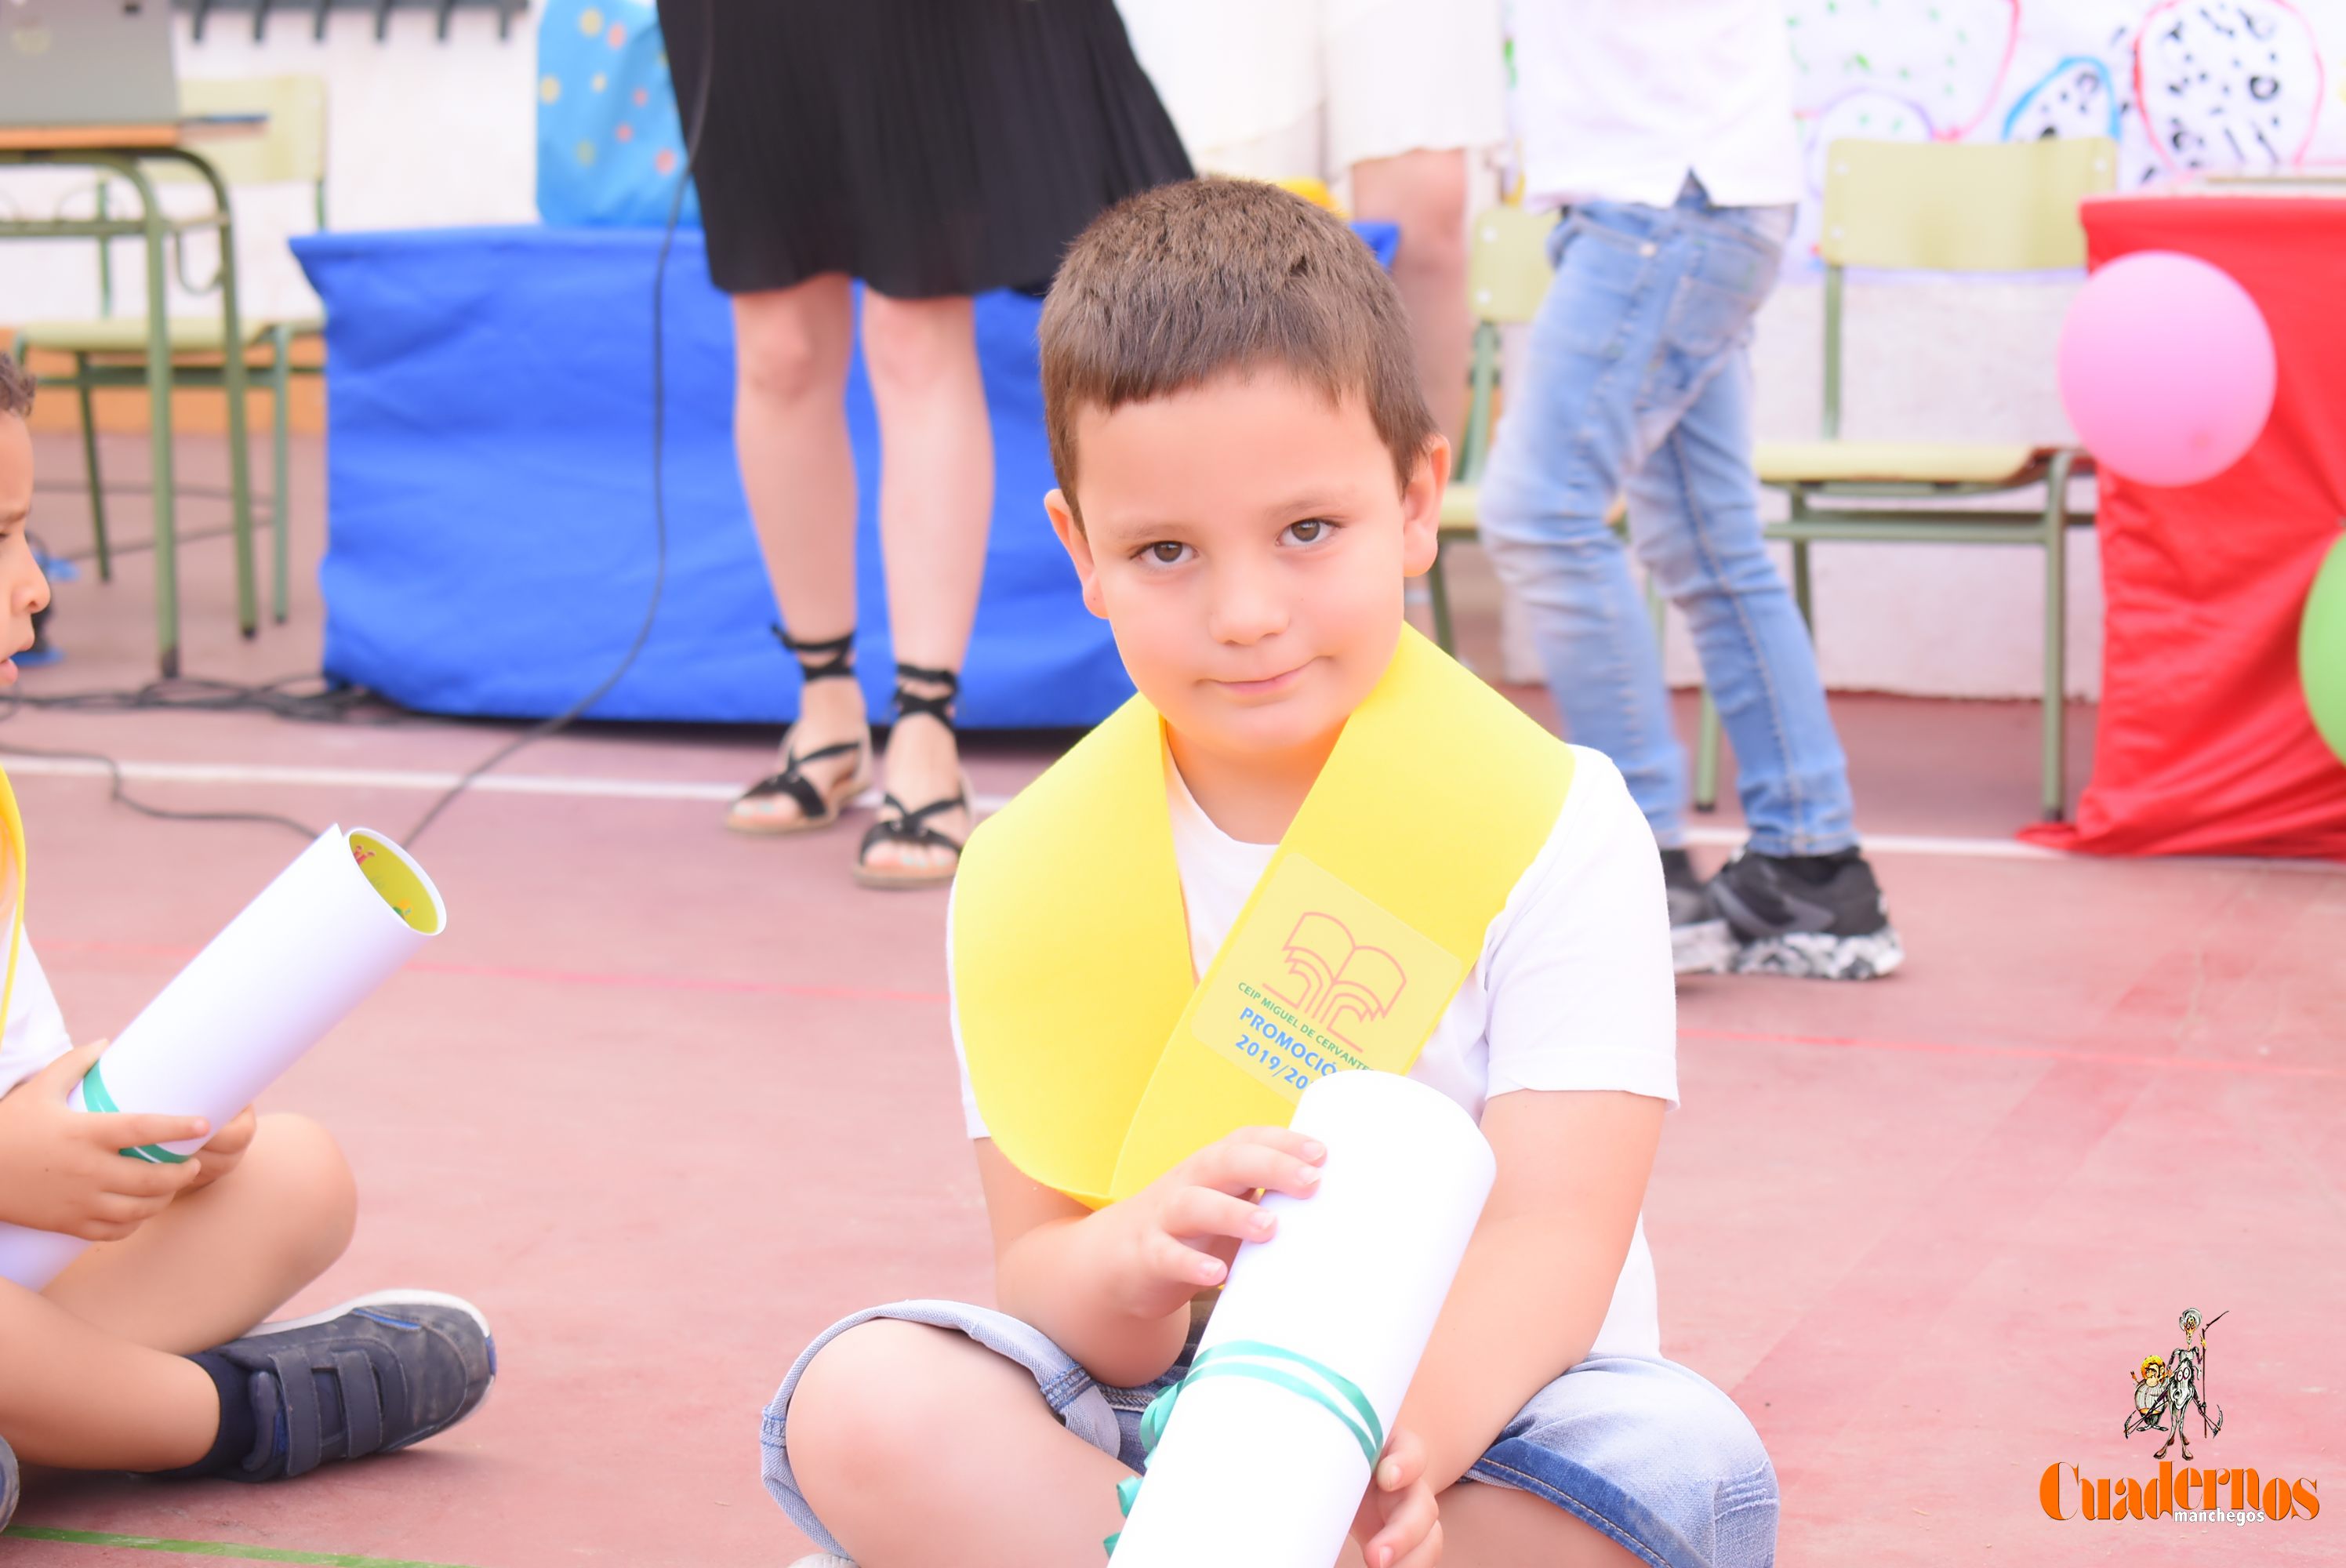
x=8, y=1491
x=1700, y=941
x=1819, y=917
x=367, y=1377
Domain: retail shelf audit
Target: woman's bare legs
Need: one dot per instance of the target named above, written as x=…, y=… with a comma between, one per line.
x=936, y=494
x=936, y=498
x=790, y=433
x=918, y=1446
x=1425, y=193
x=94, y=1377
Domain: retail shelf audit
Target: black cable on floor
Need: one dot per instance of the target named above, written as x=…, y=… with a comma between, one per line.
x=570, y=715
x=332, y=706
x=121, y=797
x=330, y=702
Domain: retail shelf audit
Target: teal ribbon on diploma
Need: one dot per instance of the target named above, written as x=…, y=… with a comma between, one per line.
x=94, y=1097
x=1298, y=1374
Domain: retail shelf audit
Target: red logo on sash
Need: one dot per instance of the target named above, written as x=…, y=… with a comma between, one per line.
x=1335, y=976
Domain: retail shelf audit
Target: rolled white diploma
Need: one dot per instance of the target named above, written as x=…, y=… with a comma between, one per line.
x=1249, y=1473
x=333, y=926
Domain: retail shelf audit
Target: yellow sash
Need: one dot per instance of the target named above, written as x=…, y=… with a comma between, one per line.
x=12, y=889
x=1099, y=1061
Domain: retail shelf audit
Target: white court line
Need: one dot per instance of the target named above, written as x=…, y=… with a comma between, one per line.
x=2015, y=850
x=369, y=779
x=423, y=782
x=1912, y=844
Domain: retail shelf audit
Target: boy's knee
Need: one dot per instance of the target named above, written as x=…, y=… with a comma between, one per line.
x=873, y=1400
x=1705, y=1428
x=311, y=1186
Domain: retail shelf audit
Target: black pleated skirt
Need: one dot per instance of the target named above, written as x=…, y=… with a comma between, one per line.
x=928, y=147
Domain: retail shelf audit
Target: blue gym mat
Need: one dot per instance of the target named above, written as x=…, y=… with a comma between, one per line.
x=491, y=533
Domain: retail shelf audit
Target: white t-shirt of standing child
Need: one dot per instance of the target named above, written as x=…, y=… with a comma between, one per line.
x=1620, y=102
x=1573, y=988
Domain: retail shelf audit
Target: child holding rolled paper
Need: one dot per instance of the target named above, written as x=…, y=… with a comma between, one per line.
x=1313, y=842
x=147, y=1352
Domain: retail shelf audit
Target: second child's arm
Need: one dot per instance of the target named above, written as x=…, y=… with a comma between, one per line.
x=61, y=1169
x=1112, y=1286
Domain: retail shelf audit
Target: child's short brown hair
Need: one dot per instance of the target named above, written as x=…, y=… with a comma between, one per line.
x=1178, y=285
x=15, y=388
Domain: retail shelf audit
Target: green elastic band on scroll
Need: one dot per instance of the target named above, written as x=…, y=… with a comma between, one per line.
x=1323, y=1385
x=94, y=1096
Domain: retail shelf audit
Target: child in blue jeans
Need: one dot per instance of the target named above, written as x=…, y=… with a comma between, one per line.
x=1668, y=132
x=1248, y=475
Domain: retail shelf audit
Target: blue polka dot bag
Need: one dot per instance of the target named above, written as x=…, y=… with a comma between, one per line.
x=609, y=145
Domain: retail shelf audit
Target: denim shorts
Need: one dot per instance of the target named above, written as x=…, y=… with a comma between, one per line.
x=1646, y=1451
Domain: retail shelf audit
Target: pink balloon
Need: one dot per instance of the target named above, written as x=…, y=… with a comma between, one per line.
x=2166, y=367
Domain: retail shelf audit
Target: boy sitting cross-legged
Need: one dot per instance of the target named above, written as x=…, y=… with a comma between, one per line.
x=1248, y=473
x=149, y=1352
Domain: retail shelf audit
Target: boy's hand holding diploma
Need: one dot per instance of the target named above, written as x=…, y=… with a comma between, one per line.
x=1399, y=1524
x=62, y=1169
x=1175, y=1237
x=1179, y=1234
x=224, y=1150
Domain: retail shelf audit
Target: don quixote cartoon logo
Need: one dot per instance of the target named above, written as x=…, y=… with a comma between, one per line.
x=2170, y=1392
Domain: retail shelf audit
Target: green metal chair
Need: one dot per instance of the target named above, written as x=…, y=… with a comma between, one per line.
x=108, y=350
x=2002, y=207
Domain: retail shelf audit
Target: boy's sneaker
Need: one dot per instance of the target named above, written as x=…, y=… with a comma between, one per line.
x=1700, y=941
x=7, y=1484
x=367, y=1377
x=1818, y=917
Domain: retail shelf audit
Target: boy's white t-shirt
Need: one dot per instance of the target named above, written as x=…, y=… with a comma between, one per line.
x=36, y=1032
x=1573, y=989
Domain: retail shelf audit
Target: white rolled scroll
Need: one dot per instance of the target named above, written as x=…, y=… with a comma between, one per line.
x=1264, y=1463
x=333, y=926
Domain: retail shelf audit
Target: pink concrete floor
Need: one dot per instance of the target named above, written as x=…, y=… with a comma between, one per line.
x=664, y=1102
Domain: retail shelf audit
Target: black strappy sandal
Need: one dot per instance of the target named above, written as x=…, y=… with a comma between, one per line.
x=902, y=824
x=832, y=659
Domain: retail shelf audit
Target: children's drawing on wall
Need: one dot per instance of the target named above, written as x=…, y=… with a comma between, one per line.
x=2184, y=87
x=1945, y=61
x=2229, y=84
x=2076, y=97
